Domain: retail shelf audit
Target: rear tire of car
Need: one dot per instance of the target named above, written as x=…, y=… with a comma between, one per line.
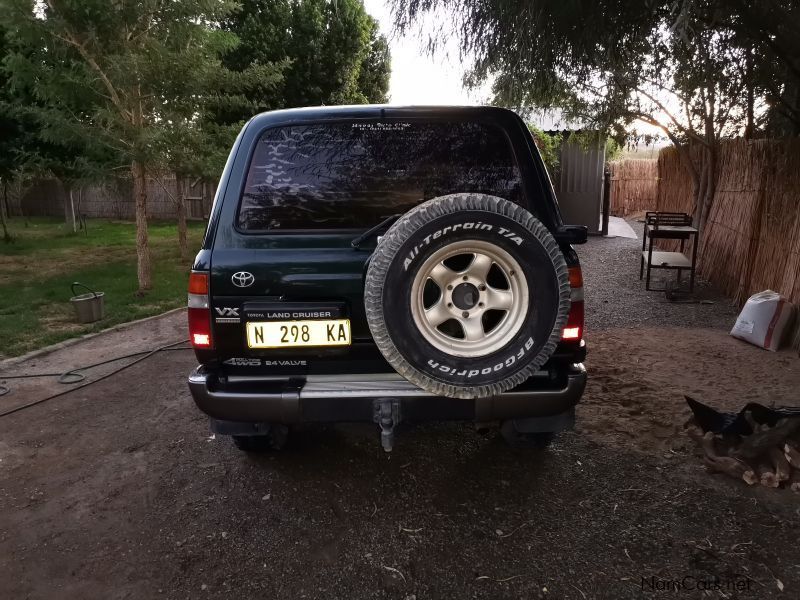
x=499, y=299
x=274, y=439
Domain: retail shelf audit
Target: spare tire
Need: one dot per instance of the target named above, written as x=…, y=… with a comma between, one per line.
x=466, y=295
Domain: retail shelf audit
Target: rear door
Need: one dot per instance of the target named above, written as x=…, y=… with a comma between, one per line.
x=284, y=255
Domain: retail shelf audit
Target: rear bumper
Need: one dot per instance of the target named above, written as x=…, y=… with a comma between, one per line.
x=350, y=398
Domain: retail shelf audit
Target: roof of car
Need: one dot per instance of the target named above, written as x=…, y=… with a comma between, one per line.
x=380, y=111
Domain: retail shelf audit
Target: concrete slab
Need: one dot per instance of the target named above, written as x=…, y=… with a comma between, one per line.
x=618, y=227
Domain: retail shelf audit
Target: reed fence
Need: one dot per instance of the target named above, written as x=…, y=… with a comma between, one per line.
x=752, y=239
x=634, y=186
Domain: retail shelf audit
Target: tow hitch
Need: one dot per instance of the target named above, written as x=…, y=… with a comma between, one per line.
x=386, y=413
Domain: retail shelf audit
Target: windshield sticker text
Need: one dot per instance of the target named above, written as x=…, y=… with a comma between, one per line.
x=378, y=126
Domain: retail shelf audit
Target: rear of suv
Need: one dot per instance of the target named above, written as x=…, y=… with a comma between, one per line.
x=384, y=264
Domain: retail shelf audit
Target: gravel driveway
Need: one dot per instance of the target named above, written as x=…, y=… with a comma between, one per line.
x=117, y=490
x=615, y=297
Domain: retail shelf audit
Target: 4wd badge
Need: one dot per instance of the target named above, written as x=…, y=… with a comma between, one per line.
x=243, y=362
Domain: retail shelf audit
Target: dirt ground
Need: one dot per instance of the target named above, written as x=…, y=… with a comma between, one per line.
x=117, y=490
x=119, y=341
x=639, y=402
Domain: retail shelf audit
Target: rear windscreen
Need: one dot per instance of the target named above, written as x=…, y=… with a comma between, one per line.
x=353, y=175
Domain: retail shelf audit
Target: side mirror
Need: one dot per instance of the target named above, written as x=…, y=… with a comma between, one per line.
x=572, y=234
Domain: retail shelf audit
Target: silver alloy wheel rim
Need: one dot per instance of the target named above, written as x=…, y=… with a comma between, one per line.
x=476, y=340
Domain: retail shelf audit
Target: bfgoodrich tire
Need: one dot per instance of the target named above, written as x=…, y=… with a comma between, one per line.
x=466, y=295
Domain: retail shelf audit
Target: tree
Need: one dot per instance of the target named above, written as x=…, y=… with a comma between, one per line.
x=694, y=69
x=193, y=148
x=179, y=140
x=191, y=144
x=65, y=151
x=769, y=29
x=18, y=160
x=41, y=139
x=328, y=52
x=375, y=69
x=549, y=146
x=129, y=60
x=15, y=183
x=692, y=86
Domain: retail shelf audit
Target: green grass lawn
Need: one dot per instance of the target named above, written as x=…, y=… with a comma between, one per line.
x=37, y=268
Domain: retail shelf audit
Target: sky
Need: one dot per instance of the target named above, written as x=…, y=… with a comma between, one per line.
x=418, y=78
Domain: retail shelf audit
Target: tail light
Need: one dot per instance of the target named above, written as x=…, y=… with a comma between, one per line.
x=573, y=330
x=199, y=312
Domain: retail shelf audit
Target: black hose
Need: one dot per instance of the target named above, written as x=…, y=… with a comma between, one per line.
x=76, y=375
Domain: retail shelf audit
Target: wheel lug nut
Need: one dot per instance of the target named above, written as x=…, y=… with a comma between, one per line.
x=465, y=278
x=465, y=314
x=480, y=304
x=482, y=287
x=449, y=305
x=449, y=287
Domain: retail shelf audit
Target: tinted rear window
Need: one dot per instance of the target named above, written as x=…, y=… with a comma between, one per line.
x=353, y=175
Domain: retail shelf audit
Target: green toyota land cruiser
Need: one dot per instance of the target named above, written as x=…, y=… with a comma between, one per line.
x=382, y=264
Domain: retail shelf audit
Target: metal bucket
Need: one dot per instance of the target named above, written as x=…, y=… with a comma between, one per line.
x=88, y=307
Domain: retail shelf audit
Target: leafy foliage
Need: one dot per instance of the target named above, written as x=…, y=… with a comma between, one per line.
x=328, y=52
x=698, y=70
x=599, y=61
x=108, y=71
x=549, y=146
x=375, y=69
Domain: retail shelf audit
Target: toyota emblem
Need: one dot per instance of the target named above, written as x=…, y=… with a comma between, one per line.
x=242, y=279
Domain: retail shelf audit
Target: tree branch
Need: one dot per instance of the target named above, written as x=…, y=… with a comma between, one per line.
x=72, y=40
x=793, y=110
x=689, y=131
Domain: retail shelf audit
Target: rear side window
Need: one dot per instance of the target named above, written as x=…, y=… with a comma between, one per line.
x=353, y=175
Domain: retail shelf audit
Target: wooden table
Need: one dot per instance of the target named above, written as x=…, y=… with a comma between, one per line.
x=678, y=261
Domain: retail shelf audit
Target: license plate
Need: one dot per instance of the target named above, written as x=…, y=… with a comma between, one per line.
x=292, y=334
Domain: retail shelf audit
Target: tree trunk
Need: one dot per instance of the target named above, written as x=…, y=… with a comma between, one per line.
x=143, y=267
x=699, y=190
x=796, y=121
x=710, y=186
x=69, y=208
x=3, y=207
x=698, y=175
x=180, y=199
x=750, y=127
x=81, y=220
x=12, y=196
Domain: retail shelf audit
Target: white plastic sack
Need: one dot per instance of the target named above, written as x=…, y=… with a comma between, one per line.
x=764, y=320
